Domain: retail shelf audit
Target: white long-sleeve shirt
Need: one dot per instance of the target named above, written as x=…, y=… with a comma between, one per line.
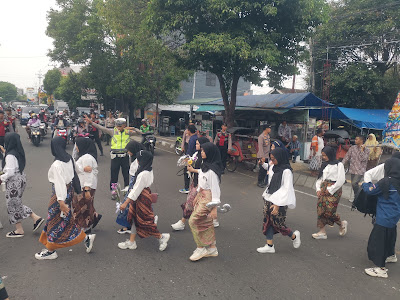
x=285, y=195
x=144, y=180
x=86, y=178
x=210, y=181
x=133, y=168
x=332, y=173
x=11, y=168
x=375, y=174
x=61, y=174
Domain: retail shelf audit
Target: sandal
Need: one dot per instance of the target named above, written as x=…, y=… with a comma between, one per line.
x=13, y=234
x=37, y=224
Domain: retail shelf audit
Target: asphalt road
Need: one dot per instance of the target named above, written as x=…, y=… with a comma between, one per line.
x=325, y=269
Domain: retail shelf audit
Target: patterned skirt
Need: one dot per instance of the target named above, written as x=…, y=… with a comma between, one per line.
x=278, y=222
x=15, y=187
x=122, y=217
x=60, y=232
x=327, y=206
x=141, y=215
x=315, y=163
x=200, y=222
x=84, y=211
x=188, y=206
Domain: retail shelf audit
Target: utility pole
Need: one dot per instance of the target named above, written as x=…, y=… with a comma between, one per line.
x=40, y=76
x=312, y=67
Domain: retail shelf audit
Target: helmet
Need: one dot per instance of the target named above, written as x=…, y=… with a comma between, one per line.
x=33, y=115
x=31, y=112
x=144, y=121
x=80, y=120
x=120, y=121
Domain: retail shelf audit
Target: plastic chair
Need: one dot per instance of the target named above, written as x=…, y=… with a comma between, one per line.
x=172, y=130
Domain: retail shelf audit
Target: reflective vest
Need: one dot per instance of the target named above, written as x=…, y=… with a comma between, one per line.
x=120, y=139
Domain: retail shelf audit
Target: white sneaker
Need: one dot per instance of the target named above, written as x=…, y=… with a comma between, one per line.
x=215, y=223
x=178, y=226
x=297, y=241
x=391, y=259
x=155, y=219
x=351, y=200
x=377, y=272
x=89, y=242
x=164, y=241
x=198, y=254
x=266, y=249
x=123, y=231
x=212, y=252
x=343, y=229
x=127, y=245
x=46, y=254
x=319, y=236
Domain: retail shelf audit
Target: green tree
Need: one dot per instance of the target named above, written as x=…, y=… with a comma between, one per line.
x=70, y=89
x=52, y=81
x=236, y=38
x=8, y=91
x=361, y=38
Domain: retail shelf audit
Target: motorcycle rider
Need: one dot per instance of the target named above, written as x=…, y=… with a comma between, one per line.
x=11, y=118
x=59, y=122
x=120, y=137
x=81, y=129
x=33, y=121
x=144, y=128
x=5, y=126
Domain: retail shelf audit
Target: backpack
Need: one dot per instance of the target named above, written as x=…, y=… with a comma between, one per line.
x=365, y=204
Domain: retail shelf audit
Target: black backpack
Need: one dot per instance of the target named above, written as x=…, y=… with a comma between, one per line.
x=365, y=204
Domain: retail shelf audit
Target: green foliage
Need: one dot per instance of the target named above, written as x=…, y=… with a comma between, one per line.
x=8, y=91
x=70, y=89
x=51, y=81
x=236, y=38
x=362, y=36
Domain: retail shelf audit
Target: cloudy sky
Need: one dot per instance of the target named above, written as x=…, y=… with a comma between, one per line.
x=24, y=44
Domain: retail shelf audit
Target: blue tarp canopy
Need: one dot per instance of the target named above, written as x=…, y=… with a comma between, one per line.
x=361, y=118
x=277, y=101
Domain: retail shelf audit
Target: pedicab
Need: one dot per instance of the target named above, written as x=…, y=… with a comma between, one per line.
x=244, y=148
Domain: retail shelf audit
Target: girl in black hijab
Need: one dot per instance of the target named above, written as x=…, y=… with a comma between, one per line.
x=278, y=197
x=14, y=179
x=140, y=201
x=188, y=206
x=61, y=229
x=331, y=178
x=133, y=148
x=86, y=167
x=382, y=240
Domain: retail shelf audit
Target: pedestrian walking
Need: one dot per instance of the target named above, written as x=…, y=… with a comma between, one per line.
x=95, y=132
x=10, y=118
x=357, y=157
x=190, y=149
x=86, y=167
x=223, y=140
x=374, y=151
x=5, y=126
x=382, y=240
x=140, y=215
x=206, y=202
x=121, y=136
x=264, y=148
x=60, y=230
x=133, y=148
x=317, y=144
x=14, y=179
x=331, y=178
x=188, y=206
x=110, y=124
x=278, y=197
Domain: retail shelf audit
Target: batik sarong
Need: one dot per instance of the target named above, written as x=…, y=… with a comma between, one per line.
x=84, y=211
x=327, y=206
x=278, y=222
x=141, y=215
x=188, y=206
x=200, y=222
x=15, y=187
x=61, y=232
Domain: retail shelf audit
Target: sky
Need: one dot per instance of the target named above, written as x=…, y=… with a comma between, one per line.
x=24, y=44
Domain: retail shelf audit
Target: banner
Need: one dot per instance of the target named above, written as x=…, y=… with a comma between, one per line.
x=391, y=134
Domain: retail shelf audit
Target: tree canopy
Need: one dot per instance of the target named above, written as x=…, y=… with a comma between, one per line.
x=363, y=47
x=236, y=38
x=8, y=91
x=51, y=81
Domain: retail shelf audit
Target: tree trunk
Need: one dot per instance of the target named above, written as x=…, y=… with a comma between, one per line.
x=229, y=106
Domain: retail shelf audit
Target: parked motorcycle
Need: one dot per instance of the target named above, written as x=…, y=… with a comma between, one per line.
x=36, y=136
x=149, y=141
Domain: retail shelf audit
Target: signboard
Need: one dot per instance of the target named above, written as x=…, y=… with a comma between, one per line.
x=89, y=95
x=391, y=134
x=30, y=94
x=151, y=116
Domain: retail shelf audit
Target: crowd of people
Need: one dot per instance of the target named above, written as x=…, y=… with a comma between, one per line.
x=71, y=215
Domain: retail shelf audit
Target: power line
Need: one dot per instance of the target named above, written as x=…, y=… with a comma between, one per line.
x=21, y=57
